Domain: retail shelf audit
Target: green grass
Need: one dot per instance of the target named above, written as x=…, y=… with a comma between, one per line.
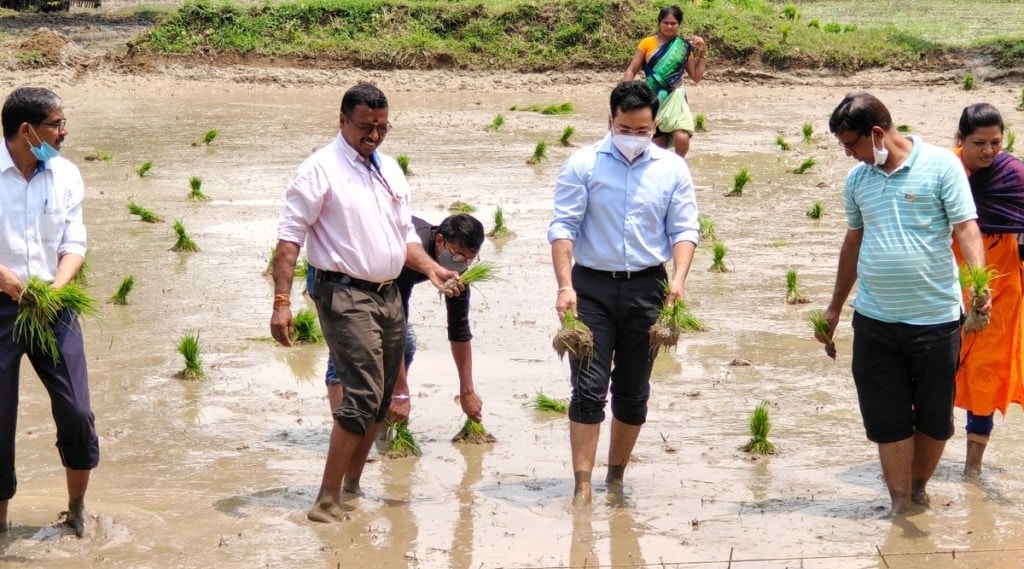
x=144, y=168
x=39, y=307
x=968, y=81
x=500, y=228
x=307, y=328
x=189, y=348
x=120, y=297
x=99, y=156
x=781, y=142
x=793, y=293
x=707, y=228
x=699, y=123
x=760, y=426
x=807, y=130
x=739, y=181
x=402, y=443
x=542, y=402
x=718, y=263
x=195, y=189
x=183, y=243
x=497, y=123
x=540, y=152
x=817, y=211
x=1010, y=141
x=403, y=163
x=209, y=137
x=805, y=165
x=144, y=214
x=566, y=138
x=461, y=207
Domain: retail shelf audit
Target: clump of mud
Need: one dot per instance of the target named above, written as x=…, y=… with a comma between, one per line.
x=574, y=337
x=47, y=48
x=473, y=433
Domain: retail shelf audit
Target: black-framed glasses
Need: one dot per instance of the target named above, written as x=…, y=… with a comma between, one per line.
x=59, y=125
x=367, y=129
x=849, y=145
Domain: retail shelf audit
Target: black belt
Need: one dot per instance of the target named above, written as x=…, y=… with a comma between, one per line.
x=344, y=279
x=626, y=274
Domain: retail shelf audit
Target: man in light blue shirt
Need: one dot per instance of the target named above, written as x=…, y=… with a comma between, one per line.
x=904, y=202
x=622, y=209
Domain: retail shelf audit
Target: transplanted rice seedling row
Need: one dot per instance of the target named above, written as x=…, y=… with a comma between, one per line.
x=401, y=443
x=146, y=215
x=474, y=433
x=188, y=347
x=39, y=307
x=760, y=426
x=183, y=243
x=195, y=187
x=120, y=297
x=500, y=229
x=739, y=181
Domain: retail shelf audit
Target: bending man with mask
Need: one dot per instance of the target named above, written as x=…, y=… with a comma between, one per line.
x=623, y=208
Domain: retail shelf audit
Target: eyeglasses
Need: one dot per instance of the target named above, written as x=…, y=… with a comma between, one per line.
x=59, y=125
x=367, y=129
x=630, y=132
x=849, y=145
x=460, y=258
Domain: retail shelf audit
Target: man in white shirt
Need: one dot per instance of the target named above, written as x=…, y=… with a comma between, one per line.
x=350, y=204
x=42, y=235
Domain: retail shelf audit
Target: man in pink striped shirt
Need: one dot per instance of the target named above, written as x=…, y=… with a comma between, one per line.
x=350, y=204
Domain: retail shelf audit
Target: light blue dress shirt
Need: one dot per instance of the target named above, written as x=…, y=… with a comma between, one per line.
x=622, y=216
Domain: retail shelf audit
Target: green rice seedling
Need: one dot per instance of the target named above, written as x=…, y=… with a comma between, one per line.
x=497, y=123
x=210, y=136
x=144, y=169
x=739, y=181
x=793, y=294
x=307, y=328
x=904, y=128
x=968, y=82
x=817, y=210
x=833, y=28
x=1020, y=104
x=99, y=156
x=565, y=139
x=808, y=131
x=403, y=163
x=699, y=122
x=270, y=262
x=977, y=281
x=500, y=229
x=781, y=142
x=557, y=109
x=1011, y=140
x=183, y=243
x=401, y=443
x=791, y=12
x=39, y=307
x=473, y=433
x=462, y=207
x=819, y=324
x=779, y=243
x=718, y=265
x=81, y=277
x=542, y=402
x=805, y=165
x=760, y=426
x=540, y=152
x=574, y=337
x=514, y=108
x=814, y=24
x=195, y=187
x=146, y=215
x=120, y=297
x=707, y=228
x=301, y=268
x=476, y=273
x=673, y=320
x=188, y=347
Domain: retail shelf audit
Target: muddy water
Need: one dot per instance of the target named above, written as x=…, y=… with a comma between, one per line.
x=220, y=472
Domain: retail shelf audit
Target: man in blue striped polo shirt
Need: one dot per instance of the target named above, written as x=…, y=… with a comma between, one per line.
x=904, y=202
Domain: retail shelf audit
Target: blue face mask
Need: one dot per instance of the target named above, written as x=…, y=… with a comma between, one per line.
x=44, y=152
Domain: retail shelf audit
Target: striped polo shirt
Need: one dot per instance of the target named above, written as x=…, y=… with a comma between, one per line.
x=905, y=271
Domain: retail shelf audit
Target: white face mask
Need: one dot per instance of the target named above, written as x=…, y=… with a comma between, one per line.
x=630, y=145
x=880, y=155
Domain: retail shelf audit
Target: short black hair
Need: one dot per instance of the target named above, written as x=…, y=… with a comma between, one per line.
x=859, y=113
x=977, y=116
x=363, y=94
x=670, y=11
x=27, y=105
x=463, y=229
x=632, y=95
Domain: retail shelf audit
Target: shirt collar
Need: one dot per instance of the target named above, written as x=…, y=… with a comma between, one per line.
x=606, y=146
x=354, y=157
x=6, y=160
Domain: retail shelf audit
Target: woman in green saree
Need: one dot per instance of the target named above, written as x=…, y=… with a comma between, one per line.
x=665, y=58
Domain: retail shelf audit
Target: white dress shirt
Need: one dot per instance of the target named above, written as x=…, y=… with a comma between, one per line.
x=354, y=218
x=40, y=219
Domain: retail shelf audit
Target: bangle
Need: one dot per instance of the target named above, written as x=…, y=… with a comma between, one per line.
x=566, y=289
x=400, y=397
x=282, y=299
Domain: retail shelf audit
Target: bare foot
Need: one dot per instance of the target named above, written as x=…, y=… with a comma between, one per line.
x=614, y=478
x=918, y=495
x=327, y=508
x=901, y=503
x=582, y=495
x=352, y=487
x=75, y=516
x=972, y=473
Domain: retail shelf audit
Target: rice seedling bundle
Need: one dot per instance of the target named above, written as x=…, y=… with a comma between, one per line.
x=968, y=81
x=699, y=123
x=1020, y=104
x=556, y=109
x=567, y=133
x=977, y=280
x=81, y=277
x=739, y=181
x=821, y=332
x=540, y=152
x=99, y=155
x=498, y=122
x=808, y=131
x=817, y=210
x=462, y=207
x=183, y=243
x=805, y=165
x=38, y=308
x=707, y=228
x=1011, y=141
x=120, y=297
x=760, y=426
x=904, y=128
x=144, y=168
x=144, y=214
x=500, y=229
x=574, y=337
x=474, y=433
x=403, y=163
x=188, y=347
x=793, y=294
x=781, y=142
x=401, y=443
x=718, y=263
x=195, y=185
x=543, y=402
x=307, y=328
x=210, y=136
x=673, y=320
x=475, y=273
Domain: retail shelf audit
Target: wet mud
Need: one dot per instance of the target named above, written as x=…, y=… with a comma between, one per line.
x=220, y=472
